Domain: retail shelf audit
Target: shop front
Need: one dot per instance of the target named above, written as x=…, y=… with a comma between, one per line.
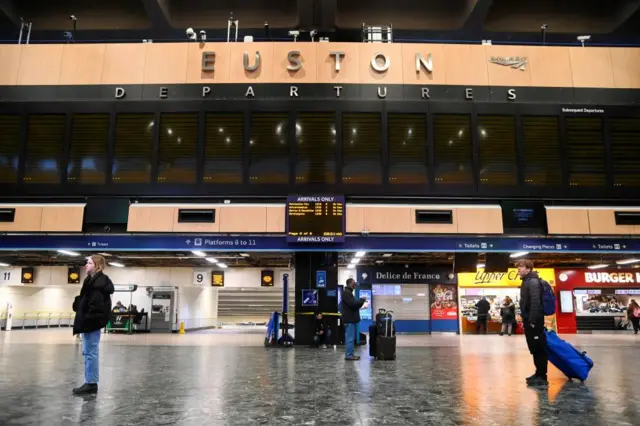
x=423, y=300
x=495, y=287
x=596, y=300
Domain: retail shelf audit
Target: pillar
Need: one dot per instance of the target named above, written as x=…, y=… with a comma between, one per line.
x=307, y=265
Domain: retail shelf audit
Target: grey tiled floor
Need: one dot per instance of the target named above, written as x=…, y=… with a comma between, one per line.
x=208, y=379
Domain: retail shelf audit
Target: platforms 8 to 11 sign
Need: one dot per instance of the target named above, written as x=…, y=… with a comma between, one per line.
x=315, y=219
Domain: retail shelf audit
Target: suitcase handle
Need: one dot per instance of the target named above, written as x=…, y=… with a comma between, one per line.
x=382, y=311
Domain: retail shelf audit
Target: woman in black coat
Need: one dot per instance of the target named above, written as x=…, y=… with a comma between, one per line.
x=508, y=314
x=92, y=308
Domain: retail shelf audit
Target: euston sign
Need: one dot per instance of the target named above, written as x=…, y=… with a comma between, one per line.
x=379, y=61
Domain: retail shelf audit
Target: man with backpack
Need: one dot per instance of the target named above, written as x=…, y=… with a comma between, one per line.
x=532, y=296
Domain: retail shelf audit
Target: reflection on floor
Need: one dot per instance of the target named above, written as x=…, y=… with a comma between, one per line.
x=226, y=379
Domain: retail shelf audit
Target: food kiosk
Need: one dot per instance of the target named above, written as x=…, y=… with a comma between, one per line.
x=494, y=286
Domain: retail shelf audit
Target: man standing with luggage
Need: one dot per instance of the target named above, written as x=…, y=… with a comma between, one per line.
x=533, y=320
x=350, y=318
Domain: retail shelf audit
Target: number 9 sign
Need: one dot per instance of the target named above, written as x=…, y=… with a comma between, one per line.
x=199, y=277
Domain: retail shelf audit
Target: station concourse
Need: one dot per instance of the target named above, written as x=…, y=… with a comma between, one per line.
x=191, y=190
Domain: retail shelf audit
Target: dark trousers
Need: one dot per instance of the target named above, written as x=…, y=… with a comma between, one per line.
x=636, y=324
x=322, y=339
x=481, y=322
x=537, y=342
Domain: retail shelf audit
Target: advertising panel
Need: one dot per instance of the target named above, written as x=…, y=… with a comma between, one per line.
x=444, y=302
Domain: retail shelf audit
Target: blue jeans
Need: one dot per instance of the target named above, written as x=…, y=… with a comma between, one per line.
x=349, y=339
x=90, y=350
x=322, y=339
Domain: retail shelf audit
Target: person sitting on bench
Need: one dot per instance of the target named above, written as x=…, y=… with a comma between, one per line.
x=322, y=334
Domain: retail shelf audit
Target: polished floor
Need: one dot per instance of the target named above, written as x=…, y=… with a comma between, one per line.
x=229, y=379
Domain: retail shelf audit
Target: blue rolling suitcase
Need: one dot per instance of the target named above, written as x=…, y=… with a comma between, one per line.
x=573, y=363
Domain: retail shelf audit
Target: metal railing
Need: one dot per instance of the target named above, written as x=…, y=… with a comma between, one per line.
x=38, y=319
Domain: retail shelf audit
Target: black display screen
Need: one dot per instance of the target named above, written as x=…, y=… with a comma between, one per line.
x=524, y=218
x=315, y=219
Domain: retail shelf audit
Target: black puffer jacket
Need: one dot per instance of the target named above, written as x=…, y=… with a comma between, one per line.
x=531, y=299
x=350, y=306
x=508, y=313
x=93, y=305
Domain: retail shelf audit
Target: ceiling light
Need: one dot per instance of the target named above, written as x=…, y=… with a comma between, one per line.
x=199, y=253
x=355, y=260
x=116, y=264
x=222, y=265
x=600, y=266
x=519, y=254
x=104, y=254
x=627, y=261
x=211, y=260
x=351, y=266
x=480, y=265
x=4, y=265
x=360, y=253
x=244, y=254
x=69, y=252
x=387, y=255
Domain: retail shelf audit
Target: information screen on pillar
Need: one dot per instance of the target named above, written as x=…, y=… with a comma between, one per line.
x=315, y=219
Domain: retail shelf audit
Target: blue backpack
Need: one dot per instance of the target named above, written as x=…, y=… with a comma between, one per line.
x=548, y=298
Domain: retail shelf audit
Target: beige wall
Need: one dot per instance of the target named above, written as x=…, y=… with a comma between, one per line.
x=44, y=218
x=588, y=220
x=271, y=219
x=176, y=63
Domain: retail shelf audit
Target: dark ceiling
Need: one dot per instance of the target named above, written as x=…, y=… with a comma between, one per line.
x=283, y=259
x=502, y=21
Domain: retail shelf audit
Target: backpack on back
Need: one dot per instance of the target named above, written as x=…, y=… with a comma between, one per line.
x=548, y=298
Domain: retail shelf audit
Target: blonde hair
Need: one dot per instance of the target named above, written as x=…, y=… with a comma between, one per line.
x=100, y=262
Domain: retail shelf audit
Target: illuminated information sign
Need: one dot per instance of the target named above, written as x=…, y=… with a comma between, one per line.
x=318, y=219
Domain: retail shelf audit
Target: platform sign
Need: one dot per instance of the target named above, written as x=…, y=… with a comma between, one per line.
x=318, y=219
x=309, y=297
x=200, y=277
x=6, y=275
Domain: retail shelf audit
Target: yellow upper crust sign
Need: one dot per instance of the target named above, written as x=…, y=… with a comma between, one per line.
x=501, y=279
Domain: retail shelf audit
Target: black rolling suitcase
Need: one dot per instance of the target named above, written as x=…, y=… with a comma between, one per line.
x=384, y=323
x=386, y=348
x=372, y=340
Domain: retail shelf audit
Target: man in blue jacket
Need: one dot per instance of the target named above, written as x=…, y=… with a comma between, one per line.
x=350, y=310
x=533, y=320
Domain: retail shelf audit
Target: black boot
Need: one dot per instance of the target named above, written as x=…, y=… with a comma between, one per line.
x=86, y=389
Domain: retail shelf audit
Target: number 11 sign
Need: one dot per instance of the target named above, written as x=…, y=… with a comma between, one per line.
x=5, y=276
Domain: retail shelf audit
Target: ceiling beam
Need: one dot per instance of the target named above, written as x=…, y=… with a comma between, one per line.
x=159, y=13
x=478, y=11
x=8, y=9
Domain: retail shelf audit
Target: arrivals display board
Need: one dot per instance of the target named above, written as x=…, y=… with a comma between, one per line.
x=315, y=219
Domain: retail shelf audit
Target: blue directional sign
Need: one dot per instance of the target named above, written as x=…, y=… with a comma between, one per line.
x=321, y=279
x=92, y=242
x=309, y=297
